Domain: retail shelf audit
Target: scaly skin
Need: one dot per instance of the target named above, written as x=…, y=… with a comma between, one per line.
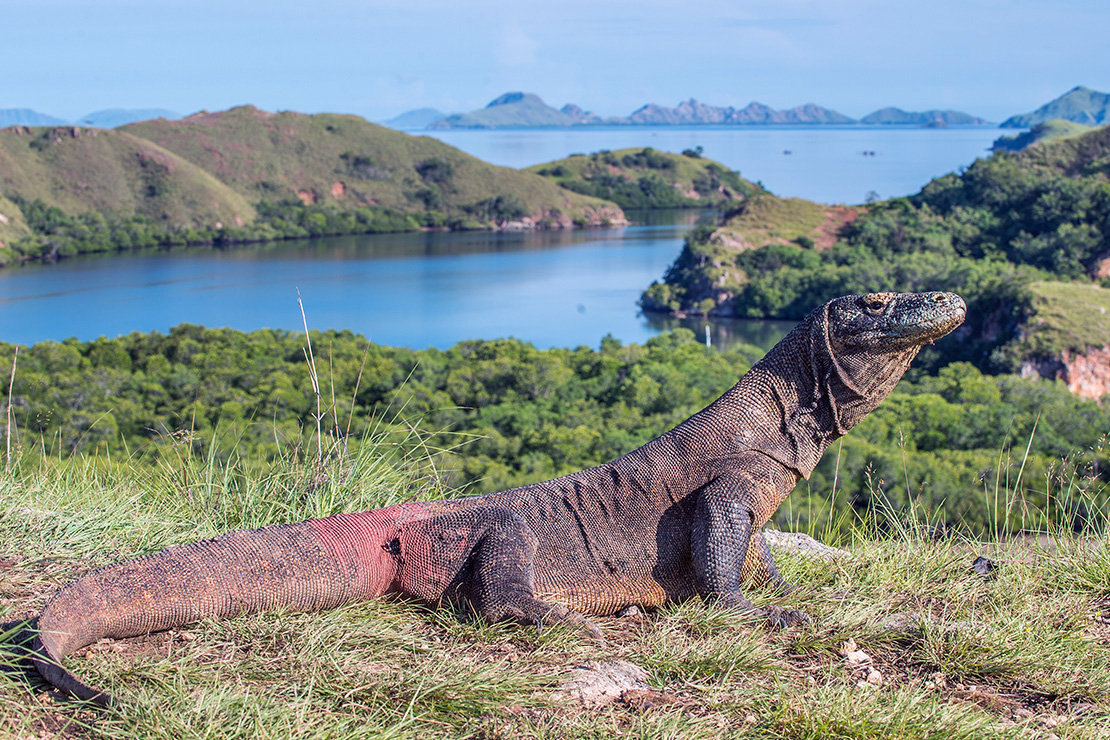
x=678, y=517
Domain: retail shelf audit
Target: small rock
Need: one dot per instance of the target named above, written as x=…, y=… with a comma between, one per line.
x=985, y=567
x=857, y=658
x=749, y=719
x=593, y=683
x=803, y=544
x=1022, y=713
x=849, y=646
x=901, y=622
x=874, y=677
x=938, y=681
x=1049, y=722
x=629, y=611
x=187, y=636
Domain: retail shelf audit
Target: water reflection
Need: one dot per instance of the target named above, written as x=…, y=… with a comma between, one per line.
x=725, y=333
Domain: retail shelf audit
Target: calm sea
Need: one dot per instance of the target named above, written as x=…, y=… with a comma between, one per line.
x=829, y=164
x=555, y=289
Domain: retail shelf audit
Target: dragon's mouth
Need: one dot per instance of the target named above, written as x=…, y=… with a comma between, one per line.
x=937, y=315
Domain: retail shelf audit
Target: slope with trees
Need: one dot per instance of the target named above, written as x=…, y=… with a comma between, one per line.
x=993, y=233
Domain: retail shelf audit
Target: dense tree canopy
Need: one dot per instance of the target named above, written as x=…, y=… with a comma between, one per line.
x=502, y=413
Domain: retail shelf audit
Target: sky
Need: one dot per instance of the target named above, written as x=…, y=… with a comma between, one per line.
x=377, y=59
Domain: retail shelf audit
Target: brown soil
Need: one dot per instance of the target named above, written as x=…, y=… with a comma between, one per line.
x=836, y=218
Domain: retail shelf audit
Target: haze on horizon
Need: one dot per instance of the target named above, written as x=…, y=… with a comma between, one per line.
x=991, y=58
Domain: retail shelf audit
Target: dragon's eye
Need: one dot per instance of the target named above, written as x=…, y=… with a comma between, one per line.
x=875, y=305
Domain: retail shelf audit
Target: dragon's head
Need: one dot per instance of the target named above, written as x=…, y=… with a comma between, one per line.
x=871, y=340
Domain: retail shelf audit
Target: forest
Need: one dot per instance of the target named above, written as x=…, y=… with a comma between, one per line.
x=988, y=233
x=965, y=449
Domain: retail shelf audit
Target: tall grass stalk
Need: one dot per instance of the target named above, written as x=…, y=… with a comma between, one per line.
x=8, y=429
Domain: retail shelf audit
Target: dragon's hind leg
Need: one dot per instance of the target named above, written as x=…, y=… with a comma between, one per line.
x=483, y=557
x=759, y=568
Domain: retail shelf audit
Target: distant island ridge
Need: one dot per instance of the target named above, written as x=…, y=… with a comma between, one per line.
x=1080, y=105
x=528, y=110
x=108, y=118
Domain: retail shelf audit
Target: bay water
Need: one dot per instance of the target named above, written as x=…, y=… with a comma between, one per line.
x=554, y=289
x=828, y=164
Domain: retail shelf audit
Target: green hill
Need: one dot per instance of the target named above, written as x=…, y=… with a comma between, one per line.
x=1014, y=234
x=247, y=175
x=1079, y=105
x=645, y=178
x=82, y=170
x=348, y=162
x=1057, y=128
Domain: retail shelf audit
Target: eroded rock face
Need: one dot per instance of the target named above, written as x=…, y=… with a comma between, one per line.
x=1087, y=375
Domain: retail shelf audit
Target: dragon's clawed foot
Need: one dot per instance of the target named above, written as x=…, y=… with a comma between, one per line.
x=779, y=618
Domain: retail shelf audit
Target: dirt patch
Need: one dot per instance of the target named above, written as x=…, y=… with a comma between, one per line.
x=836, y=218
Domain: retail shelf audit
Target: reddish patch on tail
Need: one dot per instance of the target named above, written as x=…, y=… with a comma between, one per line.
x=363, y=545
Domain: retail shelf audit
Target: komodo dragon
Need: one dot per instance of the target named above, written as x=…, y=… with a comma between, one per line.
x=680, y=516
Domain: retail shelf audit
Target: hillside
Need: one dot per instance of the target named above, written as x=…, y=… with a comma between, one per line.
x=1003, y=233
x=347, y=162
x=1084, y=156
x=645, y=178
x=1079, y=105
x=81, y=170
x=897, y=116
x=12, y=224
x=1057, y=128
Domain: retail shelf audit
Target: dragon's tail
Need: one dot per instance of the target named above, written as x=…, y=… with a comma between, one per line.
x=310, y=566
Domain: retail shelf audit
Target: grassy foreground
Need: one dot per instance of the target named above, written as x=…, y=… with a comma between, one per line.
x=949, y=653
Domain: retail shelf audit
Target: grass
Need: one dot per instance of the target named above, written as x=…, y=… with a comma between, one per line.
x=1047, y=131
x=1068, y=316
x=82, y=169
x=769, y=219
x=1052, y=130
x=12, y=225
x=957, y=655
